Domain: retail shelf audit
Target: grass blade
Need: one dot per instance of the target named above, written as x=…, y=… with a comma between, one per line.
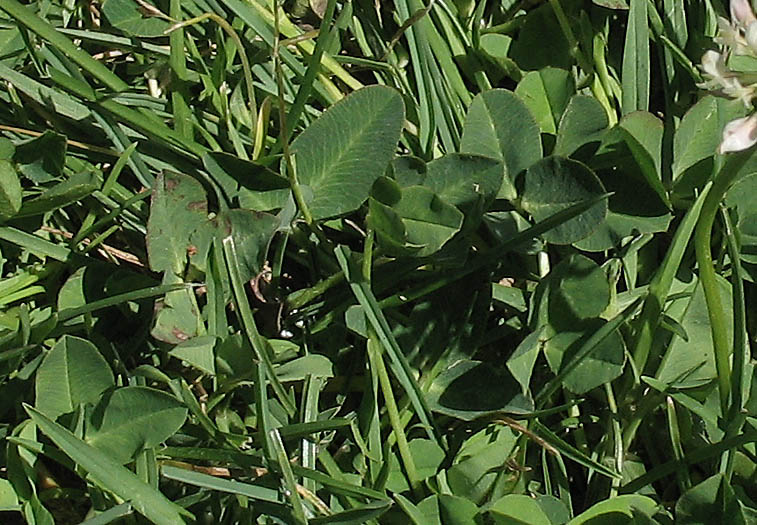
x=259, y=344
x=206, y=481
x=144, y=293
x=397, y=359
x=571, y=452
x=635, y=81
x=111, y=475
x=284, y=467
x=36, y=245
x=651, y=313
x=691, y=458
x=586, y=349
x=47, y=32
x=111, y=515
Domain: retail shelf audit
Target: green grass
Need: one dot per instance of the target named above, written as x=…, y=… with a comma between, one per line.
x=358, y=262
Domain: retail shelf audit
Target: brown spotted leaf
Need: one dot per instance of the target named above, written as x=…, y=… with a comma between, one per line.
x=178, y=207
x=177, y=317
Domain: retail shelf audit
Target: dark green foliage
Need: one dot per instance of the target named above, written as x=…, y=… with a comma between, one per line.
x=430, y=262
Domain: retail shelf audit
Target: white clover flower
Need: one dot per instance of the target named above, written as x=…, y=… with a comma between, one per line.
x=719, y=78
x=713, y=65
x=739, y=134
x=732, y=37
x=736, y=91
x=736, y=37
x=751, y=36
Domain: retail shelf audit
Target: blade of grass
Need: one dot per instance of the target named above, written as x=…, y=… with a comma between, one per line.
x=111, y=515
x=111, y=40
x=693, y=457
x=659, y=288
x=281, y=460
x=415, y=44
x=491, y=256
x=44, y=95
x=569, y=451
x=228, y=456
x=336, y=485
x=36, y=245
x=107, y=187
x=115, y=478
x=308, y=444
x=361, y=514
x=399, y=364
x=144, y=293
x=325, y=36
x=635, y=77
x=102, y=221
x=261, y=21
x=376, y=360
x=740, y=339
x=261, y=347
x=44, y=30
x=206, y=481
x=739, y=378
x=182, y=391
x=182, y=115
x=684, y=480
x=586, y=349
x=702, y=240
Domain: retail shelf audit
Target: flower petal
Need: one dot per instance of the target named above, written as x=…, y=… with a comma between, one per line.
x=713, y=64
x=739, y=134
x=741, y=13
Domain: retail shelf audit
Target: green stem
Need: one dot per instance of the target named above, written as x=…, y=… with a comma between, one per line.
x=303, y=94
x=575, y=48
x=702, y=240
x=659, y=287
x=252, y=106
x=377, y=362
x=740, y=357
x=740, y=347
x=618, y=451
x=368, y=256
x=299, y=198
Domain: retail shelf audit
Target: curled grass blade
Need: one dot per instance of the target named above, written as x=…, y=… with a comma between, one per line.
x=707, y=274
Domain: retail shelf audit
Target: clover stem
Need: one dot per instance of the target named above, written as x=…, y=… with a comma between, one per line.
x=702, y=241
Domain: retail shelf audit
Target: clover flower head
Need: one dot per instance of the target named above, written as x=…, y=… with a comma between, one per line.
x=714, y=68
x=731, y=37
x=737, y=36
